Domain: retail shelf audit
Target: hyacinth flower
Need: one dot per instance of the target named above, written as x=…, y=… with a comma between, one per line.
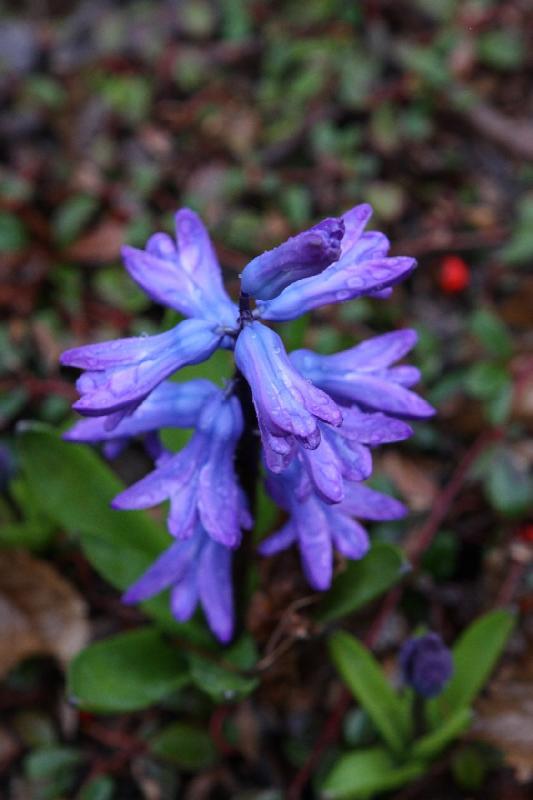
x=318, y=417
x=200, y=480
x=197, y=570
x=319, y=528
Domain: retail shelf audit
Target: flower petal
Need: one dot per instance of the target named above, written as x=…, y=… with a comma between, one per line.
x=304, y=255
x=281, y=540
x=286, y=404
x=361, y=501
x=165, y=571
x=124, y=372
x=349, y=537
x=169, y=405
x=215, y=589
x=336, y=285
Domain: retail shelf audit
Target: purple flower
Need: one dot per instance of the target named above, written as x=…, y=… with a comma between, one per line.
x=363, y=375
x=120, y=374
x=426, y=664
x=183, y=274
x=200, y=480
x=318, y=416
x=197, y=570
x=362, y=269
x=318, y=527
x=169, y=405
x=304, y=255
x=286, y=404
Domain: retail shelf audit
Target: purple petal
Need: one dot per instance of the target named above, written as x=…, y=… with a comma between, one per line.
x=373, y=354
x=304, y=255
x=175, y=479
x=168, y=569
x=354, y=459
x=336, y=285
x=168, y=405
x=278, y=541
x=325, y=470
x=373, y=429
x=349, y=537
x=284, y=401
x=314, y=537
x=375, y=393
x=184, y=596
x=124, y=372
x=361, y=501
x=215, y=589
x=185, y=276
x=355, y=221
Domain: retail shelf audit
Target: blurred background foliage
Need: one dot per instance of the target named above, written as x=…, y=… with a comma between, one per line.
x=265, y=117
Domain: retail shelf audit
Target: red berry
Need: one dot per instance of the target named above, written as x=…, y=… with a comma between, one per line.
x=526, y=533
x=454, y=275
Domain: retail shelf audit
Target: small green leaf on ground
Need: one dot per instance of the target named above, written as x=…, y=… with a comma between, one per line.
x=126, y=672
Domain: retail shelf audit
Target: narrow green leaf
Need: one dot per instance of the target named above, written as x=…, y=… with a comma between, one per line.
x=184, y=745
x=474, y=655
x=363, y=581
x=370, y=687
x=126, y=672
x=429, y=746
x=364, y=773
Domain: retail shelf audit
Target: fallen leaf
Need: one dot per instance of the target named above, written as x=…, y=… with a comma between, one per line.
x=414, y=480
x=504, y=717
x=100, y=245
x=40, y=612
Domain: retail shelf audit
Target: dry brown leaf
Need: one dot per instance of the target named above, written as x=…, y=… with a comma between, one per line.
x=101, y=244
x=505, y=718
x=414, y=480
x=40, y=612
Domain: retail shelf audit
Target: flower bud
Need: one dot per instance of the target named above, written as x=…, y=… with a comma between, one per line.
x=426, y=664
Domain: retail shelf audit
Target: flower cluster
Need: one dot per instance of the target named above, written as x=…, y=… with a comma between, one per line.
x=318, y=416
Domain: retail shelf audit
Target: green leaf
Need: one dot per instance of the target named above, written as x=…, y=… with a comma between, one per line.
x=474, y=656
x=508, y=487
x=101, y=788
x=226, y=683
x=369, y=685
x=183, y=745
x=492, y=333
x=502, y=49
x=72, y=217
x=485, y=379
x=126, y=672
x=429, y=746
x=47, y=762
x=13, y=234
x=363, y=581
x=74, y=487
x=364, y=773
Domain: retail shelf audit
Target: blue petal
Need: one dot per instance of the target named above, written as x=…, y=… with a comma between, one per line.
x=215, y=589
x=167, y=570
x=304, y=255
x=122, y=373
x=169, y=405
x=185, y=276
x=286, y=404
x=361, y=501
x=336, y=284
